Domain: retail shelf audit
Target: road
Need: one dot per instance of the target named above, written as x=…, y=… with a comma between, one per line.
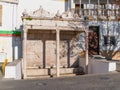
x=109, y=81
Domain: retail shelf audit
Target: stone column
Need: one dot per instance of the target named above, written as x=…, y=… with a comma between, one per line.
x=24, y=51
x=57, y=54
x=86, y=52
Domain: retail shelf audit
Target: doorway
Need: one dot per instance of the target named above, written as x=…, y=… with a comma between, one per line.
x=93, y=40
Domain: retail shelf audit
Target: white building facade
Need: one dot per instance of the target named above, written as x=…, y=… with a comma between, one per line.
x=10, y=37
x=11, y=24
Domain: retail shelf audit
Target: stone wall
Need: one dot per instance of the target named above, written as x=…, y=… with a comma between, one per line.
x=41, y=49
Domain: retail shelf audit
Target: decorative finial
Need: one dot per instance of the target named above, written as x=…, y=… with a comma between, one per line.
x=25, y=13
x=58, y=15
x=40, y=8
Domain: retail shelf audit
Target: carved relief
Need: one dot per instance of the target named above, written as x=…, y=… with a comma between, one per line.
x=38, y=13
x=41, y=13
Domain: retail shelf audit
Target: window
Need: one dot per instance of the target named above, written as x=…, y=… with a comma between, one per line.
x=112, y=40
x=106, y=40
x=77, y=8
x=109, y=40
x=82, y=6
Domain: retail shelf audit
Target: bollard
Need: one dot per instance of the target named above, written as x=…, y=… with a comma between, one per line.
x=3, y=66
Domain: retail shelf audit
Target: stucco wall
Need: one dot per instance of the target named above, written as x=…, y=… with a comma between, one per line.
x=9, y=44
x=113, y=28
x=109, y=51
x=9, y=14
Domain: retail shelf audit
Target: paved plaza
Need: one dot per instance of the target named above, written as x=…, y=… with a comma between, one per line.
x=109, y=81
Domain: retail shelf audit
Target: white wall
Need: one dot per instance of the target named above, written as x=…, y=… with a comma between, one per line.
x=9, y=45
x=8, y=16
x=101, y=66
x=13, y=70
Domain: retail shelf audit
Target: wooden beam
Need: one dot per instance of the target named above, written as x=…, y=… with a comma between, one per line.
x=57, y=54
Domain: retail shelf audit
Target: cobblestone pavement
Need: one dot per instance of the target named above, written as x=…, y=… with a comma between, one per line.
x=109, y=81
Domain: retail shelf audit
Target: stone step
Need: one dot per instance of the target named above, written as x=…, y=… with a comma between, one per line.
x=37, y=76
x=64, y=75
x=37, y=72
x=52, y=71
x=65, y=71
x=48, y=76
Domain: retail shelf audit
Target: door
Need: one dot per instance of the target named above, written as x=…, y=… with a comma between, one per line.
x=93, y=40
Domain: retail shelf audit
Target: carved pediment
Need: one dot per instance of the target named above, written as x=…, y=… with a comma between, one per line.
x=38, y=13
x=41, y=13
